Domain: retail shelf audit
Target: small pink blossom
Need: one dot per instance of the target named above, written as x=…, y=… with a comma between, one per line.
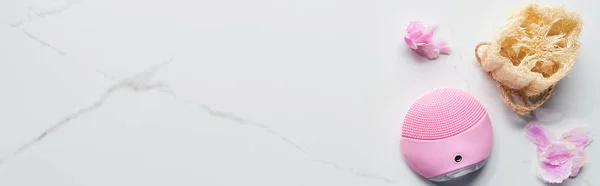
x=419, y=38
x=559, y=159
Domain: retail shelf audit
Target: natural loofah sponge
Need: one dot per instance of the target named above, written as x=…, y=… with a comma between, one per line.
x=534, y=50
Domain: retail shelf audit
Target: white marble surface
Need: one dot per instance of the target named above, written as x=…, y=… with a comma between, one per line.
x=263, y=92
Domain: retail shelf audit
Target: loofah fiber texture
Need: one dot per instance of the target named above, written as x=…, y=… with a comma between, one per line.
x=535, y=49
x=441, y=113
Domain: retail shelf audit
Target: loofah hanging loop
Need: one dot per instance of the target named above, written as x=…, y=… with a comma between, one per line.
x=535, y=49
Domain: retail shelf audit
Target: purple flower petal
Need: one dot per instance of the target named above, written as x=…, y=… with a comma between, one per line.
x=577, y=160
x=554, y=173
x=574, y=172
x=556, y=153
x=538, y=135
x=578, y=137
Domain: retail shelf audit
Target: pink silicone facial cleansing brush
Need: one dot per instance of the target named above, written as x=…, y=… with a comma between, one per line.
x=446, y=134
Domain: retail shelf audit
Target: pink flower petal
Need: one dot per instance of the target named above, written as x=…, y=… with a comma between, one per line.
x=411, y=43
x=425, y=38
x=414, y=35
x=538, y=135
x=554, y=173
x=556, y=153
x=578, y=137
x=428, y=28
x=419, y=38
x=429, y=51
x=414, y=26
x=444, y=48
x=420, y=32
